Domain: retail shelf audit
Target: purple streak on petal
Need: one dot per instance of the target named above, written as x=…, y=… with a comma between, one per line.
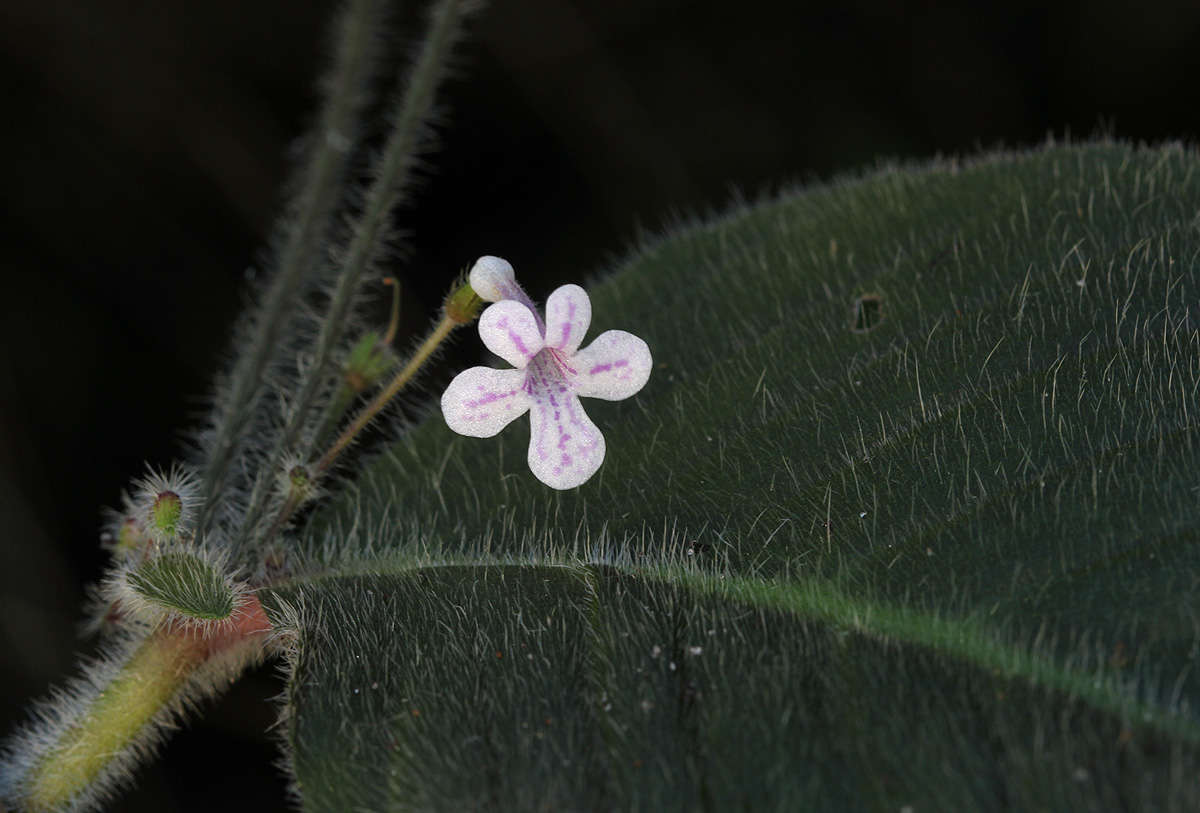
x=566, y=328
x=513, y=291
x=617, y=365
x=520, y=345
x=490, y=397
x=566, y=371
x=481, y=401
x=510, y=330
x=514, y=337
x=565, y=447
x=568, y=314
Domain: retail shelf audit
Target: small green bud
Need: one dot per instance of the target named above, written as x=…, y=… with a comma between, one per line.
x=463, y=304
x=166, y=504
x=124, y=532
x=165, y=513
x=296, y=483
x=301, y=484
x=372, y=356
x=130, y=537
x=369, y=360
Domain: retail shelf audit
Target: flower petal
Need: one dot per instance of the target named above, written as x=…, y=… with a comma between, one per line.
x=614, y=366
x=568, y=314
x=510, y=330
x=481, y=401
x=565, y=447
x=492, y=278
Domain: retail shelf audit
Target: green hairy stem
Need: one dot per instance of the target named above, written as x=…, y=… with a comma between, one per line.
x=178, y=606
x=149, y=686
x=319, y=189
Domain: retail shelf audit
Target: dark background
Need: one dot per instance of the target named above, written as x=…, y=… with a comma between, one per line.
x=145, y=145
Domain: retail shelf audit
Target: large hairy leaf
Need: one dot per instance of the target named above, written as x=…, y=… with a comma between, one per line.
x=906, y=515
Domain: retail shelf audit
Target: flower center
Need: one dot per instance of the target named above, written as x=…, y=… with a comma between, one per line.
x=548, y=374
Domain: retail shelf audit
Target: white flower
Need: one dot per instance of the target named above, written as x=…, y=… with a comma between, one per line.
x=550, y=375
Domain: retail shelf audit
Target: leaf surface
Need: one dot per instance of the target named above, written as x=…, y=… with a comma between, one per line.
x=944, y=555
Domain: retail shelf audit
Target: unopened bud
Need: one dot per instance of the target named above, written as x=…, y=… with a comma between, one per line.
x=369, y=360
x=130, y=537
x=301, y=483
x=493, y=278
x=165, y=513
x=166, y=504
x=296, y=483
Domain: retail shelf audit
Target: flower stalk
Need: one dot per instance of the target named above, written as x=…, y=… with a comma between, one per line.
x=368, y=361
x=461, y=308
x=438, y=335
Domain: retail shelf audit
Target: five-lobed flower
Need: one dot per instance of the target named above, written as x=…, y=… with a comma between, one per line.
x=550, y=374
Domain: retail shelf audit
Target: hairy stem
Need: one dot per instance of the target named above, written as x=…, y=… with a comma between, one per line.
x=368, y=413
x=398, y=382
x=349, y=390
x=145, y=691
x=155, y=673
x=317, y=197
x=392, y=172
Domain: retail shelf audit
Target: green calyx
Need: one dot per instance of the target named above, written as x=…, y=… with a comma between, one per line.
x=463, y=304
x=166, y=513
x=301, y=484
x=369, y=360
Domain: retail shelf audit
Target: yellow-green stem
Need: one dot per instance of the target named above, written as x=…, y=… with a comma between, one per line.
x=365, y=416
x=157, y=670
x=150, y=680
